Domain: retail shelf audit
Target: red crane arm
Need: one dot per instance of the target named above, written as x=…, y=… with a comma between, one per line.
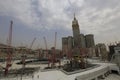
x=32, y=43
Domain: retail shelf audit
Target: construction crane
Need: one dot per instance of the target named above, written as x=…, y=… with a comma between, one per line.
x=32, y=42
x=54, y=50
x=24, y=57
x=47, y=56
x=55, y=47
x=9, y=54
x=29, y=50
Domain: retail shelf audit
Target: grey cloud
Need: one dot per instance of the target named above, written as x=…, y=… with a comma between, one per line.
x=102, y=4
x=94, y=16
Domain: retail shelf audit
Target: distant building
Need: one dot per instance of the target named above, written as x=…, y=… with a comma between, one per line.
x=117, y=49
x=89, y=40
x=113, y=49
x=101, y=51
x=116, y=56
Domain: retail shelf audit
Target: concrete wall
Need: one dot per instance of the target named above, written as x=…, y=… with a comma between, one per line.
x=94, y=74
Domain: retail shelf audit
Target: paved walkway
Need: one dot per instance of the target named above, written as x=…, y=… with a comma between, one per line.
x=113, y=77
x=58, y=75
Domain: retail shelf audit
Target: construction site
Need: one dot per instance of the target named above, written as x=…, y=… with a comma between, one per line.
x=42, y=56
x=74, y=62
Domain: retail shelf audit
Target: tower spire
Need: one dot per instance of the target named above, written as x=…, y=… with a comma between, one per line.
x=74, y=17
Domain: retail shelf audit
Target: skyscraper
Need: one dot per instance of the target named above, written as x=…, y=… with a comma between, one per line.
x=67, y=45
x=76, y=32
x=82, y=41
x=89, y=40
x=70, y=43
x=79, y=43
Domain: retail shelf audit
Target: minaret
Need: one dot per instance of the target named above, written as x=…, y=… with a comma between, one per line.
x=76, y=32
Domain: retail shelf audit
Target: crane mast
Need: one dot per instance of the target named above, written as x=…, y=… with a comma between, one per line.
x=47, y=56
x=9, y=54
x=54, y=54
x=54, y=51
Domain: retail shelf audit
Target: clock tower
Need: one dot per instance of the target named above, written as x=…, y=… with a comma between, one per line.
x=76, y=32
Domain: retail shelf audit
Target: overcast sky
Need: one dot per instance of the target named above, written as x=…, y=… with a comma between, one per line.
x=39, y=18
